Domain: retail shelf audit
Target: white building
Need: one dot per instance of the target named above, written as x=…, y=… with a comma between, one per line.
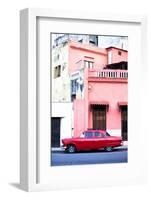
x=61, y=112
x=61, y=122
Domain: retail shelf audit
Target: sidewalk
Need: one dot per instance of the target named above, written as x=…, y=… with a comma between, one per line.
x=124, y=147
x=57, y=149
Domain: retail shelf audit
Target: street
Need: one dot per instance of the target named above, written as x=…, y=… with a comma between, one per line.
x=60, y=158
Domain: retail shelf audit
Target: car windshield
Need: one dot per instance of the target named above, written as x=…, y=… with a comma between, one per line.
x=107, y=134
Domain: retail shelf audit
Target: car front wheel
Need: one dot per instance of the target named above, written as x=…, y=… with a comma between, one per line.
x=71, y=149
x=108, y=149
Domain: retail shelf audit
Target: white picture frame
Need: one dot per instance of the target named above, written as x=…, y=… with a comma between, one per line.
x=30, y=166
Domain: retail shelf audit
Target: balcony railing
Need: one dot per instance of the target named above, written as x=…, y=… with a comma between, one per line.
x=108, y=73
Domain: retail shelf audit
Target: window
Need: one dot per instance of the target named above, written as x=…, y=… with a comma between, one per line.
x=88, y=64
x=97, y=134
x=57, y=71
x=73, y=97
x=74, y=86
x=99, y=117
x=64, y=66
x=93, y=39
x=88, y=134
x=80, y=40
x=92, y=42
x=119, y=53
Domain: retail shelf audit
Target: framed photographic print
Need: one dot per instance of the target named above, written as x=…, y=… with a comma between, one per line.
x=82, y=78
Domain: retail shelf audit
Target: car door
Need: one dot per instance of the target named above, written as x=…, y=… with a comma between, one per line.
x=100, y=140
x=88, y=142
x=108, y=140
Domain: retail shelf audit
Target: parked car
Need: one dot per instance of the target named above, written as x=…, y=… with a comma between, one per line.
x=92, y=140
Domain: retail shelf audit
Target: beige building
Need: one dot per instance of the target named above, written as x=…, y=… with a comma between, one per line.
x=60, y=75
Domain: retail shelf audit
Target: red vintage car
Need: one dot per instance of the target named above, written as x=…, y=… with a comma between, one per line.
x=92, y=140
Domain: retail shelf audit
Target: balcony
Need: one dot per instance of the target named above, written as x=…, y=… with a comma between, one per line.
x=110, y=74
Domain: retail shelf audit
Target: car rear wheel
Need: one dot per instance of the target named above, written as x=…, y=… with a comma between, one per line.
x=108, y=149
x=71, y=149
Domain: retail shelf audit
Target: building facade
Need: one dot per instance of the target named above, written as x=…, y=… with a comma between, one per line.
x=92, y=84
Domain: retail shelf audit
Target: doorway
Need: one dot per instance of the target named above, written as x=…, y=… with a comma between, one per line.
x=99, y=117
x=55, y=131
x=124, y=123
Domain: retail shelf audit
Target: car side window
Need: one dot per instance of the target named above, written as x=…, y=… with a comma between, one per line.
x=88, y=134
x=98, y=134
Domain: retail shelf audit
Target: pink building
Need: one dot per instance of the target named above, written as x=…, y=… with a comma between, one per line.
x=99, y=89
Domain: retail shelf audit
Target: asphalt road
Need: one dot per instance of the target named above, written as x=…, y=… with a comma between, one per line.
x=100, y=157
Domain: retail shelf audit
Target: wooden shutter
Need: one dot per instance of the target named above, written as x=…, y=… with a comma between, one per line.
x=99, y=117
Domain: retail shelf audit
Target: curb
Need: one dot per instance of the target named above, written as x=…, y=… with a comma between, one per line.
x=57, y=149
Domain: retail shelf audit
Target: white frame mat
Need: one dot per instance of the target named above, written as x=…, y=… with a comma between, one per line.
x=35, y=171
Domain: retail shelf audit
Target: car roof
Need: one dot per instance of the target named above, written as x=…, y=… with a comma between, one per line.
x=95, y=130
